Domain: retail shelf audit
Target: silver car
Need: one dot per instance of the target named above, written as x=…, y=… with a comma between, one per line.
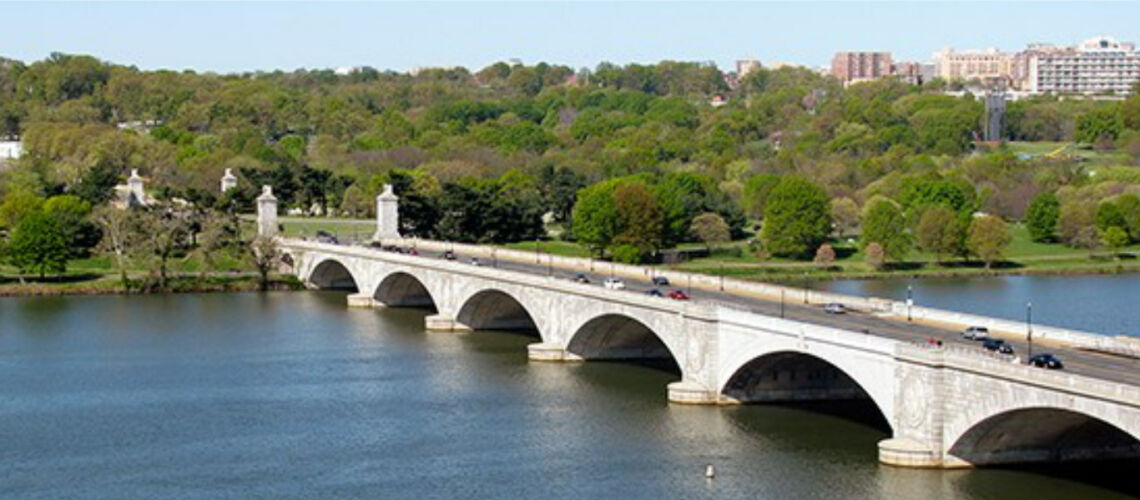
x=976, y=333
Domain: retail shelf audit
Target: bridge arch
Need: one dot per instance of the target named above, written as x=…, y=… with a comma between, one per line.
x=331, y=274
x=620, y=337
x=495, y=309
x=404, y=289
x=1043, y=433
x=793, y=375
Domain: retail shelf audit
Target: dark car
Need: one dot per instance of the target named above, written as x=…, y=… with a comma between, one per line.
x=654, y=293
x=997, y=345
x=449, y=255
x=660, y=281
x=1046, y=361
x=581, y=278
x=678, y=295
x=412, y=251
x=326, y=237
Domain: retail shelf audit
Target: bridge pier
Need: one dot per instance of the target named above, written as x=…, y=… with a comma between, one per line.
x=543, y=351
x=687, y=392
x=364, y=300
x=444, y=323
x=905, y=452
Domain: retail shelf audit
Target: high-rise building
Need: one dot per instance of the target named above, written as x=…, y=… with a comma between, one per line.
x=851, y=67
x=987, y=65
x=1100, y=65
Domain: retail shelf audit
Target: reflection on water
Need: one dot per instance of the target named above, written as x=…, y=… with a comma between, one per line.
x=295, y=396
x=1101, y=304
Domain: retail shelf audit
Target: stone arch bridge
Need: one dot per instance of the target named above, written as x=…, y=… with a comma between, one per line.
x=944, y=407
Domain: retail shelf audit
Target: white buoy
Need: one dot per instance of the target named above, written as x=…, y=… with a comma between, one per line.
x=710, y=471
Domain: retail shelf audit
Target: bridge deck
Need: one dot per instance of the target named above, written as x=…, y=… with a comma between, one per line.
x=1092, y=364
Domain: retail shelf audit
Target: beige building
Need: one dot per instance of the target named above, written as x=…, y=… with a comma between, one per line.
x=988, y=64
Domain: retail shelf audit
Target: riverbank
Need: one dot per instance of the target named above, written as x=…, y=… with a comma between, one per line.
x=109, y=284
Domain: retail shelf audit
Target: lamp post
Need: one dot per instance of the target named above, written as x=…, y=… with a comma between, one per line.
x=805, y=284
x=722, y=276
x=781, y=302
x=1029, y=327
x=909, y=301
x=536, y=256
x=550, y=264
x=494, y=259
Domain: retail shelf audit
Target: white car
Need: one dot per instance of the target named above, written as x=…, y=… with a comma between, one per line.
x=976, y=333
x=613, y=283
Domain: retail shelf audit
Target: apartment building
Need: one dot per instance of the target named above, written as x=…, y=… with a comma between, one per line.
x=851, y=67
x=1099, y=65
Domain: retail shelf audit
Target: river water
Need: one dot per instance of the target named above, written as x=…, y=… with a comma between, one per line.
x=291, y=395
x=1106, y=304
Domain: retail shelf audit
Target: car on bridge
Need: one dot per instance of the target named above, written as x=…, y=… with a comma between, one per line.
x=448, y=254
x=326, y=237
x=581, y=278
x=660, y=281
x=653, y=292
x=1046, y=360
x=835, y=308
x=613, y=283
x=976, y=333
x=997, y=345
x=678, y=295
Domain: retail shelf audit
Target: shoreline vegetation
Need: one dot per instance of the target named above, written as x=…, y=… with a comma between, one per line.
x=733, y=260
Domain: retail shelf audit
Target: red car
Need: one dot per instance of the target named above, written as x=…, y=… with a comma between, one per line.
x=678, y=295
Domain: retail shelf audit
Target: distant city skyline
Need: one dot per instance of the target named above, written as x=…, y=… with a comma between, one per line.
x=237, y=37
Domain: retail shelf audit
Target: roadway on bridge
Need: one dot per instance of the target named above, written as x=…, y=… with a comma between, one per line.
x=1092, y=364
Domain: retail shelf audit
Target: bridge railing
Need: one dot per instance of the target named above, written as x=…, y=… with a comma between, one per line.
x=988, y=364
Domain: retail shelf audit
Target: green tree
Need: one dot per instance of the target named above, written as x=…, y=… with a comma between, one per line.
x=18, y=205
x=595, y=216
x=39, y=245
x=1102, y=123
x=989, y=238
x=939, y=232
x=1109, y=215
x=845, y=213
x=883, y=223
x=639, y=217
x=710, y=228
x=73, y=215
x=1041, y=218
x=797, y=218
x=754, y=196
x=1114, y=238
x=1129, y=207
x=1077, y=223
x=120, y=237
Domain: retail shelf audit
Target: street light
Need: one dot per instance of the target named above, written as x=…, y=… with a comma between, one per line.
x=805, y=287
x=1029, y=327
x=909, y=301
x=722, y=276
x=781, y=302
x=536, y=256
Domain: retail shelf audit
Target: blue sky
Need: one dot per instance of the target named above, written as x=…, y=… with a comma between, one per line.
x=263, y=35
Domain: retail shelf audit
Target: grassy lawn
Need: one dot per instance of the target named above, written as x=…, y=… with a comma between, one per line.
x=563, y=248
x=341, y=228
